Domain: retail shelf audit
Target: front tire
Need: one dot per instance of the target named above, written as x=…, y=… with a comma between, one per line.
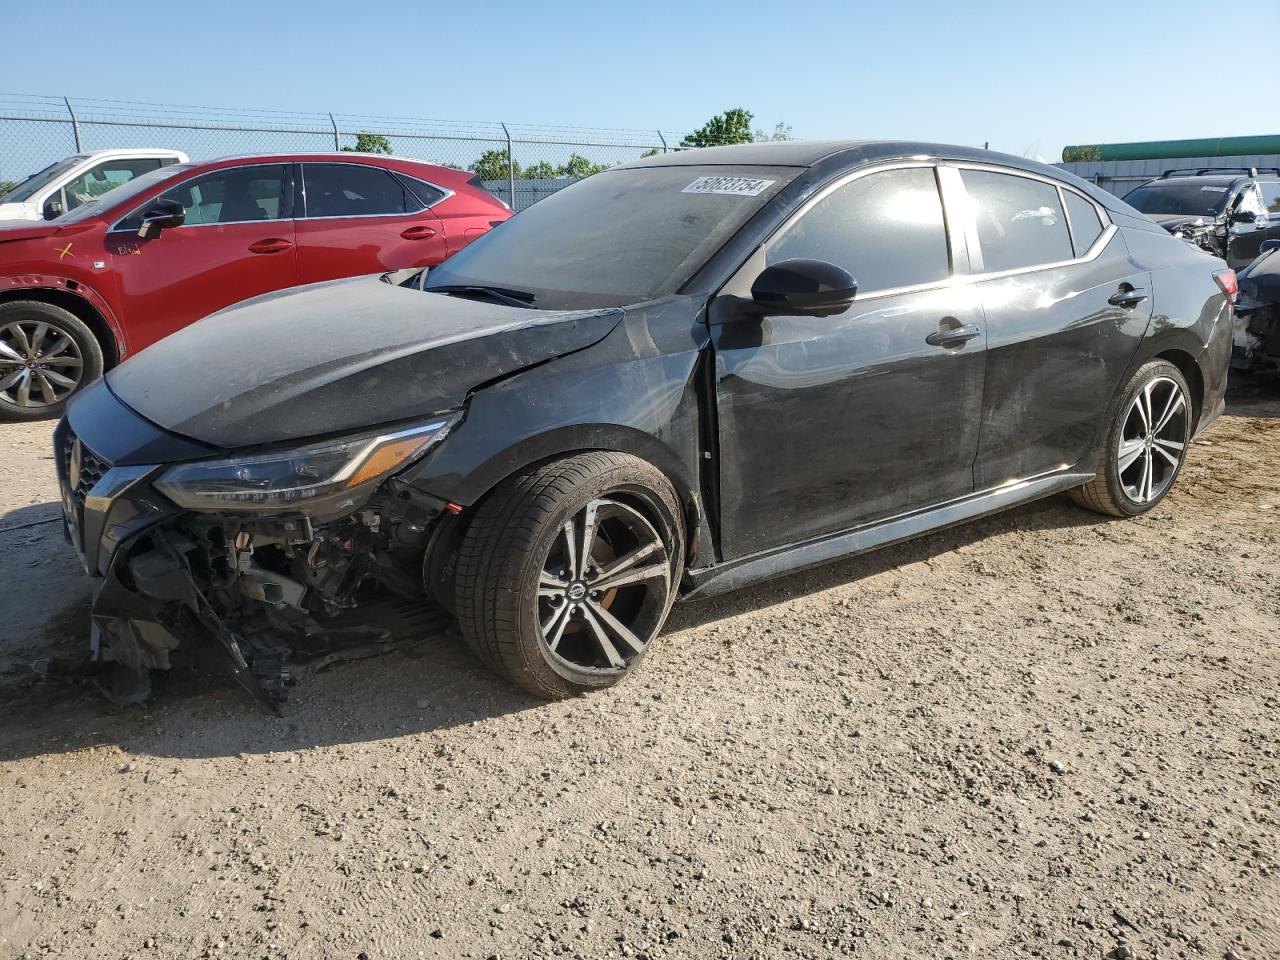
x=46, y=355
x=1145, y=446
x=568, y=571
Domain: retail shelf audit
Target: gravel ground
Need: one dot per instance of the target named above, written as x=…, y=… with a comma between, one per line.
x=1045, y=734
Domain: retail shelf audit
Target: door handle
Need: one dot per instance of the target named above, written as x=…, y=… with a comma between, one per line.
x=953, y=336
x=418, y=233
x=1127, y=298
x=270, y=245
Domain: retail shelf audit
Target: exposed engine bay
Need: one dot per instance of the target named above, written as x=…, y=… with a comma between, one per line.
x=272, y=592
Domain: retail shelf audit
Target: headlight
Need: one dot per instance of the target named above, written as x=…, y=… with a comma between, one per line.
x=326, y=477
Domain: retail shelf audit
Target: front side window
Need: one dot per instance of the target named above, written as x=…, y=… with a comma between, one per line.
x=886, y=229
x=1271, y=196
x=354, y=190
x=105, y=176
x=232, y=195
x=1020, y=221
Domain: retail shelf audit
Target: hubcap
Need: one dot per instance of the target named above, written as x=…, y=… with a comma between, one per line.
x=40, y=365
x=1153, y=440
x=603, y=589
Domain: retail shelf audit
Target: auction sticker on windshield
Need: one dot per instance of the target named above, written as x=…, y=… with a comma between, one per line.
x=733, y=186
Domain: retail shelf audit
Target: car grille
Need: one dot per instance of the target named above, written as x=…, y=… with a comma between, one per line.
x=91, y=469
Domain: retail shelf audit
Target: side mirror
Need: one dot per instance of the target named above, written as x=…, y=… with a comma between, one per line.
x=53, y=208
x=1243, y=216
x=161, y=215
x=803, y=288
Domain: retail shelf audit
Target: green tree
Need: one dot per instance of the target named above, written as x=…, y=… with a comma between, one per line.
x=370, y=143
x=649, y=153
x=732, y=126
x=1081, y=154
x=6, y=186
x=579, y=166
x=492, y=165
x=780, y=132
x=542, y=170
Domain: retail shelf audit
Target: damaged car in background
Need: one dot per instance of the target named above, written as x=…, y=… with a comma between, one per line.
x=674, y=378
x=1256, y=343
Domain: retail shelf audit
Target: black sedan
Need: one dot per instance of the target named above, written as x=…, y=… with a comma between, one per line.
x=674, y=378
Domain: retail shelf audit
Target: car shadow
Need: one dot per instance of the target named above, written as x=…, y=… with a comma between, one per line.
x=433, y=684
x=1254, y=395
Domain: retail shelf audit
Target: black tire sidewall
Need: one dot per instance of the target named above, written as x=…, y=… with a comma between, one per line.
x=67, y=323
x=1145, y=374
x=537, y=658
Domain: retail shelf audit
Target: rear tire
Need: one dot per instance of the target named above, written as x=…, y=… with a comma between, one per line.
x=553, y=617
x=47, y=354
x=1145, y=445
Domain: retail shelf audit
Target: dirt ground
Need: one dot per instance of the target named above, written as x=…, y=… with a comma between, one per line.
x=1045, y=734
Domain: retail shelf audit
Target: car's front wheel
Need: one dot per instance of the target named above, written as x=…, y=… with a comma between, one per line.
x=46, y=355
x=1146, y=444
x=567, y=572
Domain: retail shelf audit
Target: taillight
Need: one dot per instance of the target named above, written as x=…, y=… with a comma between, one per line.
x=1226, y=279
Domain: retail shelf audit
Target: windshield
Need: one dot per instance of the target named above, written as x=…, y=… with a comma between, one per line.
x=124, y=193
x=29, y=187
x=621, y=236
x=1192, y=199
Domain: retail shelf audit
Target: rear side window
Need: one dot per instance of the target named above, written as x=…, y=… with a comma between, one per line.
x=1086, y=227
x=426, y=192
x=354, y=190
x=1020, y=221
x=886, y=229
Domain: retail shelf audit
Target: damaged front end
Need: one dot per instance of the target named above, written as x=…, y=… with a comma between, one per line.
x=1255, y=342
x=263, y=554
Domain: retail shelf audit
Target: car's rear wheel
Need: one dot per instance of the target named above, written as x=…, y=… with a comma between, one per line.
x=1146, y=444
x=566, y=573
x=46, y=355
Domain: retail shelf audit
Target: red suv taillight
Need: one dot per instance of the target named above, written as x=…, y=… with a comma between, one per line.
x=1226, y=279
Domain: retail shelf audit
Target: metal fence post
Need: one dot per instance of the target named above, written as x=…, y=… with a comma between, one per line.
x=337, y=141
x=664, y=141
x=511, y=166
x=75, y=124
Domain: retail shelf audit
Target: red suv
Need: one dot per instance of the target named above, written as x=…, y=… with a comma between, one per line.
x=80, y=293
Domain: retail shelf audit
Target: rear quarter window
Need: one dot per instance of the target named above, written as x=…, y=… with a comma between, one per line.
x=1086, y=226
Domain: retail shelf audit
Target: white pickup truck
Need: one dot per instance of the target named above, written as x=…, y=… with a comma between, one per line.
x=64, y=185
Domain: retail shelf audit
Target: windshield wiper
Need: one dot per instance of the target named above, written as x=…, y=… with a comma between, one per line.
x=513, y=298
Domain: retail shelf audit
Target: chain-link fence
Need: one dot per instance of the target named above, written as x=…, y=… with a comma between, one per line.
x=517, y=161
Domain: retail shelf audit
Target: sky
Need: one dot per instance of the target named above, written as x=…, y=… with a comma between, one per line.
x=1025, y=77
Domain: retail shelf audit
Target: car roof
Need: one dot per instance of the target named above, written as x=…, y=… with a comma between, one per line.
x=1215, y=179
x=131, y=152
x=850, y=153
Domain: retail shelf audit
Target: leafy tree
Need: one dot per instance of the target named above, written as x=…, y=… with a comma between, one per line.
x=492, y=165
x=1081, y=154
x=579, y=166
x=781, y=131
x=370, y=143
x=732, y=126
x=6, y=186
x=542, y=170
x=649, y=153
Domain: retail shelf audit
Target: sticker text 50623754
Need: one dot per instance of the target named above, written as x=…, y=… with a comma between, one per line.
x=733, y=186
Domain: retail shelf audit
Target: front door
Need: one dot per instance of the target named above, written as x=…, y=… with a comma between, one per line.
x=362, y=219
x=236, y=243
x=826, y=423
x=1065, y=311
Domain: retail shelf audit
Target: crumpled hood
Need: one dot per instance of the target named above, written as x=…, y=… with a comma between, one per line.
x=1171, y=221
x=336, y=357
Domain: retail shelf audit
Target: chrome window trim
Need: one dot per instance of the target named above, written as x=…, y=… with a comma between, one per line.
x=1109, y=229
x=302, y=178
x=954, y=251
x=115, y=227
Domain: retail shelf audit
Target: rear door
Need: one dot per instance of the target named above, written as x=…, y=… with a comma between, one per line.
x=1248, y=224
x=826, y=423
x=359, y=218
x=236, y=243
x=1065, y=313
